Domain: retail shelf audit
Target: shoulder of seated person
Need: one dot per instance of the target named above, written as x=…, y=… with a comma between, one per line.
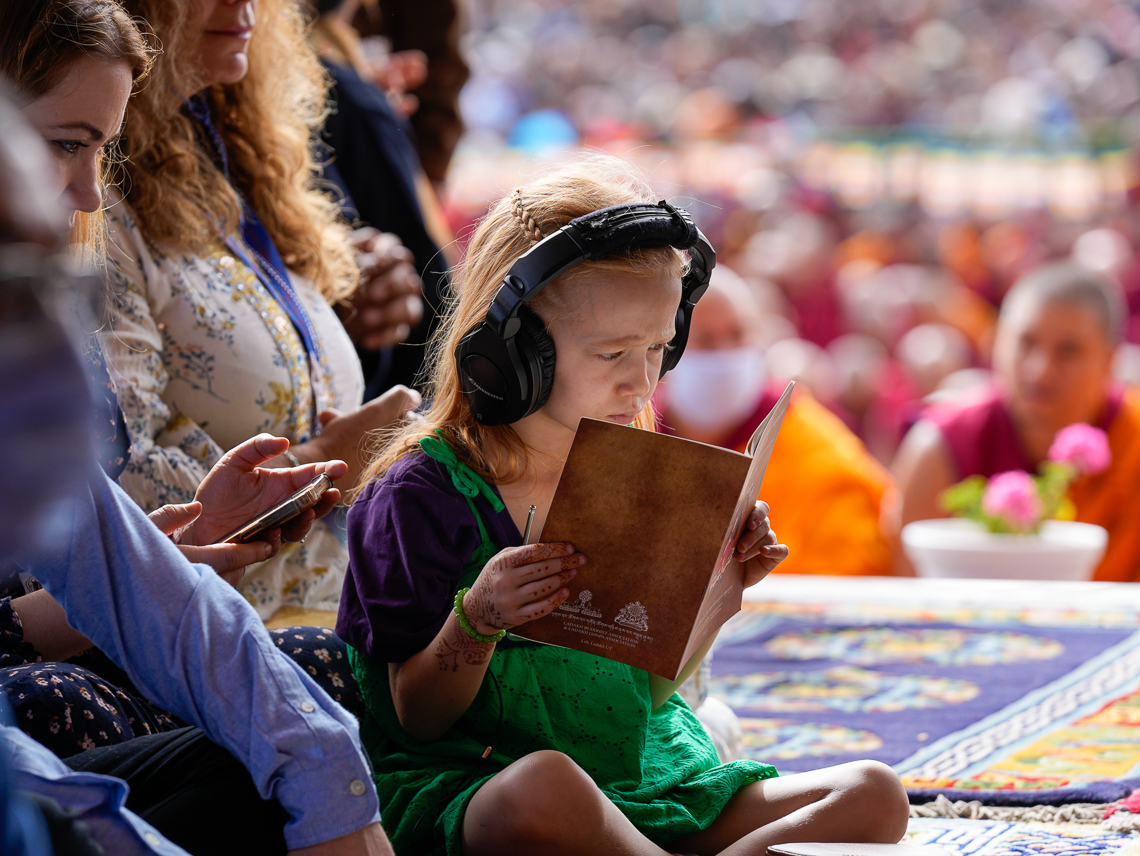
x=821, y=433
x=924, y=445
x=416, y=471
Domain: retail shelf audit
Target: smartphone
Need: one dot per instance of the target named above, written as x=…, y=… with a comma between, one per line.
x=282, y=513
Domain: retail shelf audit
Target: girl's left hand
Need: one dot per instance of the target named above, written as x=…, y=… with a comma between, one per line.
x=758, y=550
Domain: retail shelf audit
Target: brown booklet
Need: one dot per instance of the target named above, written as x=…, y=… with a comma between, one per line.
x=658, y=517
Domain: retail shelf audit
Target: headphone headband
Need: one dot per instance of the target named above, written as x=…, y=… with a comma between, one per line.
x=592, y=236
x=493, y=372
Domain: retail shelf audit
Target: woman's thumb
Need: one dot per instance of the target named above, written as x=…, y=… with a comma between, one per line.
x=170, y=518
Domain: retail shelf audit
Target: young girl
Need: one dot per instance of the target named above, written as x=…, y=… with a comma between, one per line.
x=486, y=744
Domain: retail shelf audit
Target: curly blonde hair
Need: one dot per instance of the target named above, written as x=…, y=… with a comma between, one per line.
x=508, y=230
x=267, y=121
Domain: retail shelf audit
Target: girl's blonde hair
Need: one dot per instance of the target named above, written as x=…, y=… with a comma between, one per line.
x=267, y=120
x=39, y=42
x=512, y=226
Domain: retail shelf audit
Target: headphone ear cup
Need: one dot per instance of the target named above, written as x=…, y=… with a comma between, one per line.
x=678, y=342
x=536, y=349
x=489, y=377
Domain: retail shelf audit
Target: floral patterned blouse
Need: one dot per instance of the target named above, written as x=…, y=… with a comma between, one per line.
x=203, y=358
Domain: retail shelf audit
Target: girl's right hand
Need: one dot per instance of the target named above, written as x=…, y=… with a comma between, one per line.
x=521, y=584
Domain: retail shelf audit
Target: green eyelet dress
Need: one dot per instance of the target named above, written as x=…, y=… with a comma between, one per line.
x=658, y=767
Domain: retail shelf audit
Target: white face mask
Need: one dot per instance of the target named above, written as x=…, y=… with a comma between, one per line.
x=713, y=390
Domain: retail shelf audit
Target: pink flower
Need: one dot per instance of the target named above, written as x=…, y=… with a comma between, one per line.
x=1012, y=496
x=1082, y=447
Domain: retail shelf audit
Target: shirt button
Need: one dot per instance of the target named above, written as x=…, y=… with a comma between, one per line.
x=357, y=787
x=152, y=839
x=307, y=706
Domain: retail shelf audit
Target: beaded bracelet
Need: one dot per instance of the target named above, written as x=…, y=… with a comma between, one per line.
x=466, y=625
x=291, y=458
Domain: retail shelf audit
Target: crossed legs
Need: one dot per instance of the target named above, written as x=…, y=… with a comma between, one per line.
x=546, y=804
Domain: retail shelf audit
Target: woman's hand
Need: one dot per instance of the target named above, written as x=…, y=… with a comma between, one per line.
x=229, y=560
x=758, y=549
x=389, y=302
x=521, y=584
x=236, y=490
x=398, y=74
x=343, y=435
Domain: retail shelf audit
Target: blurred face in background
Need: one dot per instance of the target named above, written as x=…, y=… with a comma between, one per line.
x=720, y=323
x=78, y=119
x=1055, y=359
x=721, y=377
x=224, y=29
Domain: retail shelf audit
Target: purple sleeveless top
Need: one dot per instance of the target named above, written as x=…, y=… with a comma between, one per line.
x=409, y=536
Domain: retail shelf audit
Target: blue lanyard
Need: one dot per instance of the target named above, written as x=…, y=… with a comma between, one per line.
x=266, y=262
x=268, y=267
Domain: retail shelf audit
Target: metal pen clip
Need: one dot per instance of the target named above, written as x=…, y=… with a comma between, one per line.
x=529, y=521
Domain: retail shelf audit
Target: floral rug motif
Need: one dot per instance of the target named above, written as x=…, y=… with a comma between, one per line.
x=998, y=838
x=1011, y=706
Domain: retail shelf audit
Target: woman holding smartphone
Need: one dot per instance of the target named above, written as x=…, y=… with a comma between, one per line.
x=225, y=258
x=75, y=63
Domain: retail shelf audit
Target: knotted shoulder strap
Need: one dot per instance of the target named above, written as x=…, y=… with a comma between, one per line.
x=469, y=484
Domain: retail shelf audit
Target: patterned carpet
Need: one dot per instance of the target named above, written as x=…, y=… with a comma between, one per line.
x=989, y=690
x=997, y=838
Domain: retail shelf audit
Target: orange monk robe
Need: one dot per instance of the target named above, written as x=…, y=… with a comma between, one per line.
x=1112, y=498
x=825, y=491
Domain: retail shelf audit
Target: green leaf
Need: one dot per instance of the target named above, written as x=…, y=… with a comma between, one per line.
x=965, y=498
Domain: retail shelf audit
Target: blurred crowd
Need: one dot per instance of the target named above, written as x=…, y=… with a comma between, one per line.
x=879, y=172
x=276, y=196
x=662, y=70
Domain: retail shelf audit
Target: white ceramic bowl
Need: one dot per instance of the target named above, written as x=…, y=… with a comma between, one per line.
x=1063, y=550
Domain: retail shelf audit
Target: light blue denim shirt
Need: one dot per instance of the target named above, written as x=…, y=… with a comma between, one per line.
x=97, y=800
x=193, y=645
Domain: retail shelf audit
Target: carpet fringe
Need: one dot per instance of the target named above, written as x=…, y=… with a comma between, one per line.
x=1120, y=820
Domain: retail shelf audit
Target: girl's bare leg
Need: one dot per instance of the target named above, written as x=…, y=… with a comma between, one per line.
x=863, y=801
x=546, y=805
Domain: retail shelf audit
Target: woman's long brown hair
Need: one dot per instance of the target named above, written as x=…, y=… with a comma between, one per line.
x=267, y=120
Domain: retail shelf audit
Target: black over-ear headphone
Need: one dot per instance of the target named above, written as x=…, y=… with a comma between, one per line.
x=506, y=363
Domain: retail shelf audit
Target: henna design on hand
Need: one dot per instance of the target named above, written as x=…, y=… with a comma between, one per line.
x=485, y=611
x=449, y=652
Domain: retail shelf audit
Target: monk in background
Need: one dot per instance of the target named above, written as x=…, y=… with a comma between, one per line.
x=1056, y=337
x=825, y=488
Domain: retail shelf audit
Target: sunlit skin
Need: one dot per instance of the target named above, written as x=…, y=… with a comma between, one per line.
x=1056, y=361
x=78, y=118
x=608, y=350
x=225, y=28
